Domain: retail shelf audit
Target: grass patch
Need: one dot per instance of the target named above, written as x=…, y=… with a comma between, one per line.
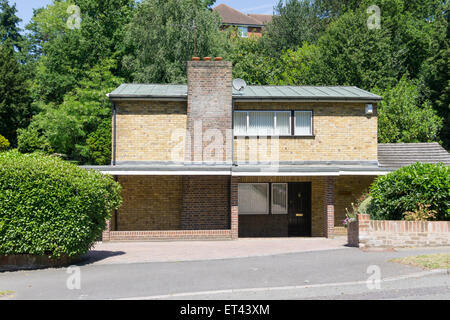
x=5, y=293
x=431, y=261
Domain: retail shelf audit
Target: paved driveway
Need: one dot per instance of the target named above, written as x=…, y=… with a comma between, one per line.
x=141, y=252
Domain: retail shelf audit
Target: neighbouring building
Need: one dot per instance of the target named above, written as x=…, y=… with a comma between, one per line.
x=247, y=24
x=207, y=161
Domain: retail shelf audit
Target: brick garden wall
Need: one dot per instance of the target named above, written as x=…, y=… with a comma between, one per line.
x=381, y=233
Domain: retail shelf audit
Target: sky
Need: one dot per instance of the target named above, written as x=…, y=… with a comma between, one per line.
x=25, y=7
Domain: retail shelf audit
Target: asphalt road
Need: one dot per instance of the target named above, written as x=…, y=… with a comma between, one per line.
x=336, y=274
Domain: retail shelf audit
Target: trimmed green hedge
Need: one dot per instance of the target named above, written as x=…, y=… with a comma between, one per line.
x=404, y=189
x=51, y=207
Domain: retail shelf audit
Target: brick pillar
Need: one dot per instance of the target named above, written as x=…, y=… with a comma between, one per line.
x=364, y=226
x=106, y=233
x=328, y=217
x=234, y=207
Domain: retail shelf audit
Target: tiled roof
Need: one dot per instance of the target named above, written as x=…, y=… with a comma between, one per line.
x=263, y=18
x=235, y=17
x=251, y=92
x=396, y=155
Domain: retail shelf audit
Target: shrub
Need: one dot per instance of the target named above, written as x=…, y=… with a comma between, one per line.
x=405, y=189
x=421, y=213
x=4, y=143
x=29, y=140
x=51, y=207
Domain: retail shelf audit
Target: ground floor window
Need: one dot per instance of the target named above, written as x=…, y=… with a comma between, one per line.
x=262, y=198
x=279, y=198
x=253, y=198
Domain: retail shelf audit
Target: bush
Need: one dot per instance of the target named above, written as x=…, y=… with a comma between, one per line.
x=51, y=207
x=29, y=140
x=406, y=189
x=4, y=143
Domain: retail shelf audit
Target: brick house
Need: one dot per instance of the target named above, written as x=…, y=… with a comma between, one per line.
x=207, y=161
x=248, y=24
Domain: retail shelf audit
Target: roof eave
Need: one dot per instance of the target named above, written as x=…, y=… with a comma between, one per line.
x=238, y=98
x=147, y=97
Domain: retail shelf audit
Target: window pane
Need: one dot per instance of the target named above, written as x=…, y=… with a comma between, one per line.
x=240, y=123
x=253, y=198
x=279, y=198
x=303, y=124
x=243, y=32
x=261, y=123
x=283, y=123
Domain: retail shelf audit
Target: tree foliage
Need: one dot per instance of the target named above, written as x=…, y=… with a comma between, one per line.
x=66, y=126
x=65, y=55
x=15, y=101
x=297, y=21
x=9, y=29
x=401, y=117
x=164, y=34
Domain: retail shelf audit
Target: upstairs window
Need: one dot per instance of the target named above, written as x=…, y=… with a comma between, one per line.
x=303, y=123
x=262, y=123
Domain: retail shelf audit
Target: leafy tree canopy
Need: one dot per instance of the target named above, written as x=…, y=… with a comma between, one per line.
x=164, y=34
x=9, y=30
x=402, y=119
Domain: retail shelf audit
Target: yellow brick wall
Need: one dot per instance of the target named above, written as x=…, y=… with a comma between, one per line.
x=342, y=132
x=317, y=197
x=348, y=189
x=145, y=129
x=150, y=203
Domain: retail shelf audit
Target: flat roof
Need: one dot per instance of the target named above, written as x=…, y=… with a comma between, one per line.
x=325, y=93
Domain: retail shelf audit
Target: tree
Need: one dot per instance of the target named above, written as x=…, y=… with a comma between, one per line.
x=9, y=30
x=436, y=72
x=248, y=61
x=164, y=34
x=296, y=66
x=66, y=54
x=349, y=53
x=297, y=21
x=402, y=119
x=66, y=127
x=14, y=95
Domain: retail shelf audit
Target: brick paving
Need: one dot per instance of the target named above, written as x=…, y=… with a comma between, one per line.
x=166, y=251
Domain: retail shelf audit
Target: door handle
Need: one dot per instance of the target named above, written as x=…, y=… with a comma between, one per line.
x=299, y=215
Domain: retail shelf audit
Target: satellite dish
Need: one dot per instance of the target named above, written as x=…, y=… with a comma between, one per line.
x=239, y=84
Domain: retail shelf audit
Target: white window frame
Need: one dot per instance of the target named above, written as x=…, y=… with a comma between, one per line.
x=275, y=112
x=272, y=204
x=295, y=124
x=268, y=201
x=241, y=33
